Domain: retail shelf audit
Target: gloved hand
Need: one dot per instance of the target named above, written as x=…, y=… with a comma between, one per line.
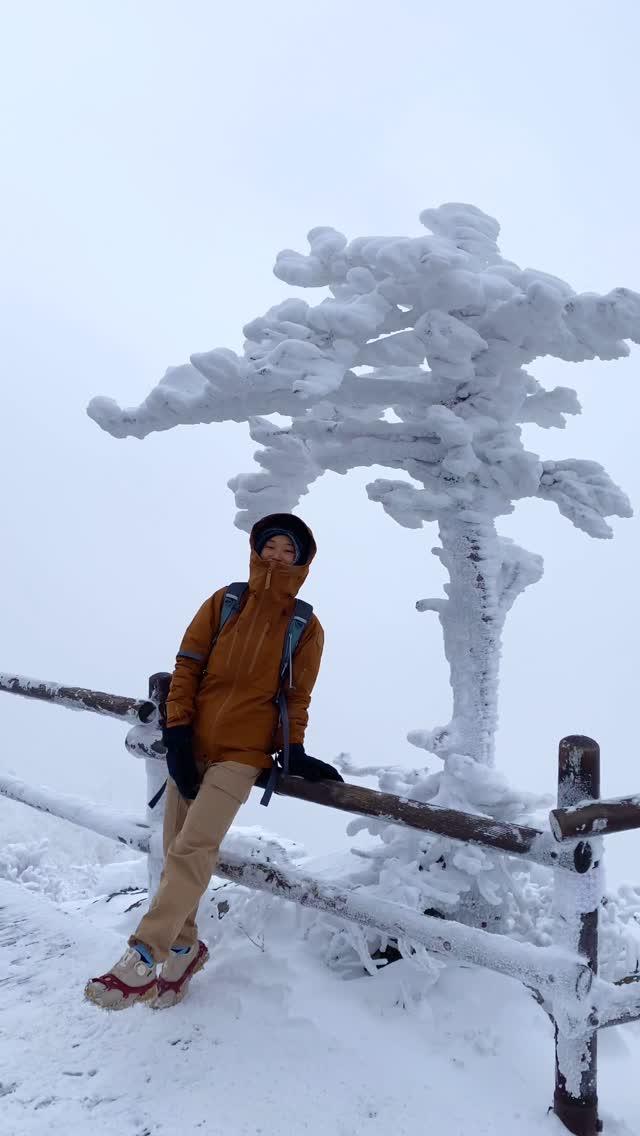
x=301, y=764
x=181, y=763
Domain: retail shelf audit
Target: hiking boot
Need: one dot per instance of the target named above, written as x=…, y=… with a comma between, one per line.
x=176, y=974
x=129, y=981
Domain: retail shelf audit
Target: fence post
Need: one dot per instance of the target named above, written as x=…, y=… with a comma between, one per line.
x=156, y=776
x=577, y=897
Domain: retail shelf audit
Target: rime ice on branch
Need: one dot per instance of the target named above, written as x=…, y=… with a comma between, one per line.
x=438, y=329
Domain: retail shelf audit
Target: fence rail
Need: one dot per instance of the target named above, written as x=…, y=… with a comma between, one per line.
x=564, y=977
x=597, y=818
x=144, y=740
x=79, y=698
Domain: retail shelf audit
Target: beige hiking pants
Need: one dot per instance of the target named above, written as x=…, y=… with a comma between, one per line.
x=192, y=834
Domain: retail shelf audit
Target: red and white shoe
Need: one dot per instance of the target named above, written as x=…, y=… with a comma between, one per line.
x=176, y=974
x=129, y=981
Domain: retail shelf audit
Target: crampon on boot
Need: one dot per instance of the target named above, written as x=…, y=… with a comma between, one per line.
x=176, y=974
x=130, y=980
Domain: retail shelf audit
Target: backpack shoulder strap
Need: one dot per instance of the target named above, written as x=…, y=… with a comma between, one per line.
x=298, y=624
x=230, y=605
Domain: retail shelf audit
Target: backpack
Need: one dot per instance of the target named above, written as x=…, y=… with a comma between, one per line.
x=302, y=613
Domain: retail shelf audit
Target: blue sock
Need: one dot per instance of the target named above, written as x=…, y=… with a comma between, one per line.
x=181, y=950
x=145, y=954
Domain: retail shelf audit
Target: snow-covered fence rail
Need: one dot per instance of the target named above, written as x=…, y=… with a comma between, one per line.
x=563, y=977
x=97, y=818
x=250, y=862
x=598, y=818
x=619, y=1005
x=79, y=698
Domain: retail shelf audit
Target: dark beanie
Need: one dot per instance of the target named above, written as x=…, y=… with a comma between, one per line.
x=267, y=534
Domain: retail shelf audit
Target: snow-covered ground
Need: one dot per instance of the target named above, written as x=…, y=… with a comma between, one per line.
x=270, y=1040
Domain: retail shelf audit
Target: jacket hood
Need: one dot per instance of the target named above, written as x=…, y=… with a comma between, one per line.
x=283, y=580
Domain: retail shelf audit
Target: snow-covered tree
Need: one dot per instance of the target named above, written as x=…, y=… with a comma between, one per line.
x=416, y=361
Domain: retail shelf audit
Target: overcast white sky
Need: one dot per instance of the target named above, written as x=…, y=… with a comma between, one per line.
x=155, y=157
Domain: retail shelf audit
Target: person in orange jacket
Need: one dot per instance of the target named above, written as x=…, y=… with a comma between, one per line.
x=222, y=726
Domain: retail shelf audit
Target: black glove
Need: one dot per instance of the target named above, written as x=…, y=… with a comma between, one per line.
x=181, y=763
x=302, y=765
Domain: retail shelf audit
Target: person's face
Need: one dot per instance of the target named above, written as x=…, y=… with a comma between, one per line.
x=279, y=550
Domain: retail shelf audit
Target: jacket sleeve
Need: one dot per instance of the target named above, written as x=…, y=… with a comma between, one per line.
x=306, y=664
x=190, y=664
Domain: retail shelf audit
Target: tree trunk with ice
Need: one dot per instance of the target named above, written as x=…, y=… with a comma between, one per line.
x=472, y=626
x=486, y=573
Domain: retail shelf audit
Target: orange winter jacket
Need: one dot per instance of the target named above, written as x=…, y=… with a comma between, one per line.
x=228, y=693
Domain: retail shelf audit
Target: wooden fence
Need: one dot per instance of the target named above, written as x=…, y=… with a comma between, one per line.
x=563, y=978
